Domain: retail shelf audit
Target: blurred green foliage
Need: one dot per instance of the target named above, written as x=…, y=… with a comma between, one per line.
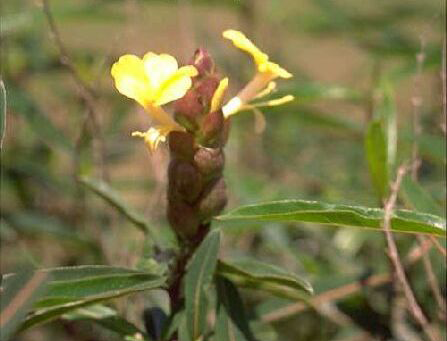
x=356, y=76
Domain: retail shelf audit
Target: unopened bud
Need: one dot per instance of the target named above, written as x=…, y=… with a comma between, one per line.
x=181, y=144
x=185, y=181
x=187, y=109
x=205, y=89
x=212, y=129
x=213, y=201
x=183, y=219
x=203, y=61
x=209, y=161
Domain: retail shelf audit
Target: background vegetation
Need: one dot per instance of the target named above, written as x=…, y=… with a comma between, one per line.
x=354, y=63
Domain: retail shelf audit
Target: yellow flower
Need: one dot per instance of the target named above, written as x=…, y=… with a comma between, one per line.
x=153, y=81
x=261, y=84
x=261, y=59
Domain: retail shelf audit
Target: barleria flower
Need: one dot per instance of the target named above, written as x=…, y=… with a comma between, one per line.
x=153, y=81
x=262, y=83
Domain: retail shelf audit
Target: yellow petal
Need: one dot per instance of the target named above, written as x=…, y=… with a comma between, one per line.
x=176, y=85
x=274, y=69
x=241, y=41
x=267, y=91
x=272, y=103
x=218, y=95
x=159, y=68
x=130, y=78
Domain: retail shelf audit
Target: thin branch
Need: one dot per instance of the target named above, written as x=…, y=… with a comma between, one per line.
x=327, y=296
x=432, y=280
x=87, y=93
x=393, y=255
x=438, y=246
x=341, y=292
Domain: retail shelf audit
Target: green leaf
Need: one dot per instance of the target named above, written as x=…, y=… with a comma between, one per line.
x=18, y=294
x=3, y=107
x=172, y=325
x=376, y=154
x=199, y=277
x=231, y=323
x=339, y=215
x=73, y=287
x=109, y=319
x=386, y=112
x=418, y=198
x=253, y=274
x=104, y=191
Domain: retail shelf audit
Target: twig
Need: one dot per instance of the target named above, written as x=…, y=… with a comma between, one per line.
x=393, y=255
x=330, y=295
x=432, y=280
x=438, y=246
x=341, y=292
x=86, y=92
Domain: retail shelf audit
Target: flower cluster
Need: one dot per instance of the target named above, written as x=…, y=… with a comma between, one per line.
x=156, y=80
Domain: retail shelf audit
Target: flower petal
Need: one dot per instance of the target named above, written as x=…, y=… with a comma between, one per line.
x=245, y=44
x=176, y=85
x=130, y=78
x=274, y=69
x=159, y=68
x=218, y=95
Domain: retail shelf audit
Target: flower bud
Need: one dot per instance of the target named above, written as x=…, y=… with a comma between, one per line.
x=187, y=109
x=205, y=89
x=203, y=61
x=209, y=161
x=212, y=129
x=213, y=201
x=185, y=181
x=181, y=145
x=183, y=219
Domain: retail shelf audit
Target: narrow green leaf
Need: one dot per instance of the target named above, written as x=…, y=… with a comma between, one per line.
x=253, y=274
x=173, y=325
x=104, y=191
x=386, y=112
x=199, y=277
x=231, y=323
x=376, y=154
x=340, y=215
x=70, y=288
x=3, y=108
x=17, y=296
x=418, y=198
x=109, y=319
